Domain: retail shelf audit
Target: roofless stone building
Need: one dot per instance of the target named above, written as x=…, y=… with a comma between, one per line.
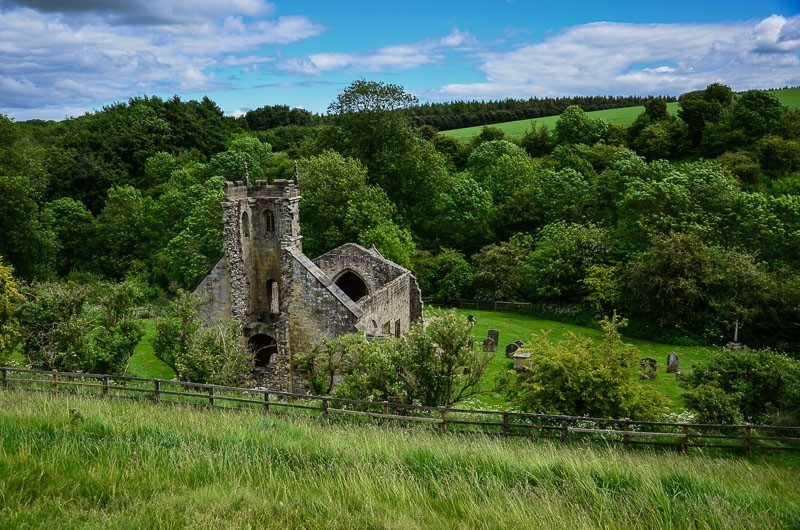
x=287, y=303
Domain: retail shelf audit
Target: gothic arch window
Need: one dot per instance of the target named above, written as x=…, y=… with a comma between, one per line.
x=352, y=285
x=269, y=221
x=245, y=224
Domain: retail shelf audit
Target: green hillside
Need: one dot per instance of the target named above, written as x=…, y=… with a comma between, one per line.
x=69, y=462
x=623, y=116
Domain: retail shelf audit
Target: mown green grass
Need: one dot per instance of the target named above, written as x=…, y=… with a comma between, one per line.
x=71, y=462
x=788, y=96
x=144, y=362
x=527, y=328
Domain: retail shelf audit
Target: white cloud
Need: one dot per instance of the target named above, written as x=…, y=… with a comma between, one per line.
x=395, y=57
x=62, y=59
x=613, y=58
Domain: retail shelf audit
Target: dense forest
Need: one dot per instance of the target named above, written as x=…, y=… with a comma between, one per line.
x=689, y=226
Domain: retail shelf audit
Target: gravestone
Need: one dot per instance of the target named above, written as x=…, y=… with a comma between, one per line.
x=678, y=376
x=672, y=362
x=511, y=348
x=519, y=343
x=647, y=369
x=471, y=319
x=489, y=344
x=495, y=335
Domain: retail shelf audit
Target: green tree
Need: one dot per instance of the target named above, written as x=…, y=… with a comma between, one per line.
x=444, y=276
x=670, y=283
x=575, y=127
x=10, y=299
x=563, y=254
x=580, y=376
x=74, y=228
x=500, y=269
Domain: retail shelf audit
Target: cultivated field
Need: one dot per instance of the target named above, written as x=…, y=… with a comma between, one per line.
x=623, y=116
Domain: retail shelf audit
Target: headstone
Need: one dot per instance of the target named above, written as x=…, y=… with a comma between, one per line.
x=647, y=369
x=521, y=361
x=678, y=376
x=489, y=344
x=495, y=335
x=672, y=362
x=519, y=343
x=471, y=319
x=511, y=349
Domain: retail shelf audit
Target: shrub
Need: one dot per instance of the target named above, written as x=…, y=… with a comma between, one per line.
x=754, y=385
x=580, y=376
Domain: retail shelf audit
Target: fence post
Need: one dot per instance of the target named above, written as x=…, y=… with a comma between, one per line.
x=443, y=416
x=157, y=387
x=55, y=380
x=266, y=400
x=324, y=407
x=564, y=431
x=747, y=430
x=211, y=400
x=385, y=412
x=506, y=426
x=685, y=440
x=626, y=438
x=5, y=378
x=105, y=385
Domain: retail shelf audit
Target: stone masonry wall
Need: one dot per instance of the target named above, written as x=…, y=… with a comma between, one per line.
x=374, y=270
x=215, y=293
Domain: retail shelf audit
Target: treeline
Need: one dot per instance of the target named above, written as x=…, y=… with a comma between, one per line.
x=688, y=225
x=457, y=114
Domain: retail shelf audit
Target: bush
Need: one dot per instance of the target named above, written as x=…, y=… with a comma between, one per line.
x=80, y=327
x=744, y=384
x=580, y=376
x=217, y=354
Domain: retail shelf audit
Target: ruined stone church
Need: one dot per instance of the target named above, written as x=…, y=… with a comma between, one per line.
x=286, y=302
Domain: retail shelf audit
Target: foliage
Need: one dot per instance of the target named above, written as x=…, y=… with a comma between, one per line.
x=754, y=385
x=214, y=354
x=433, y=366
x=671, y=282
x=582, y=377
x=10, y=298
x=446, y=276
x=217, y=355
x=80, y=327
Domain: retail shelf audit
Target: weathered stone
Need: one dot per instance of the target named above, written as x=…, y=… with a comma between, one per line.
x=678, y=376
x=489, y=344
x=672, y=362
x=511, y=348
x=471, y=319
x=495, y=335
x=521, y=361
x=647, y=369
x=519, y=343
x=287, y=303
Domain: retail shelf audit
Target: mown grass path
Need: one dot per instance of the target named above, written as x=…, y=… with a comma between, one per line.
x=70, y=462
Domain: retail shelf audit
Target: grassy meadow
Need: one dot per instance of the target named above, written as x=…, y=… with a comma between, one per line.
x=72, y=462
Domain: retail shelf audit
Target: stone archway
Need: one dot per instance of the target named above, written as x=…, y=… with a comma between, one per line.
x=264, y=349
x=352, y=285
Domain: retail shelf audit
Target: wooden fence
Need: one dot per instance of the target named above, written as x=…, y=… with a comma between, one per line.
x=625, y=432
x=495, y=305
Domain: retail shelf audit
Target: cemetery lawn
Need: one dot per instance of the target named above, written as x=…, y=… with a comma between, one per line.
x=527, y=328
x=77, y=462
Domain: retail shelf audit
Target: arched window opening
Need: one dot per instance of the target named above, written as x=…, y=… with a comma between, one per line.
x=245, y=224
x=269, y=221
x=273, y=297
x=352, y=285
x=264, y=349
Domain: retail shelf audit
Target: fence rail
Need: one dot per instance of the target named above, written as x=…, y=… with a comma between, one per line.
x=683, y=436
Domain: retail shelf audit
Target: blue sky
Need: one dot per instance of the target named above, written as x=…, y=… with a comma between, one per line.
x=61, y=59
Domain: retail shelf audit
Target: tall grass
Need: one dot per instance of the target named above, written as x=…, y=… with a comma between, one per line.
x=70, y=462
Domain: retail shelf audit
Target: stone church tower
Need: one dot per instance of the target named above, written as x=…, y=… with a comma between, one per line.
x=287, y=303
